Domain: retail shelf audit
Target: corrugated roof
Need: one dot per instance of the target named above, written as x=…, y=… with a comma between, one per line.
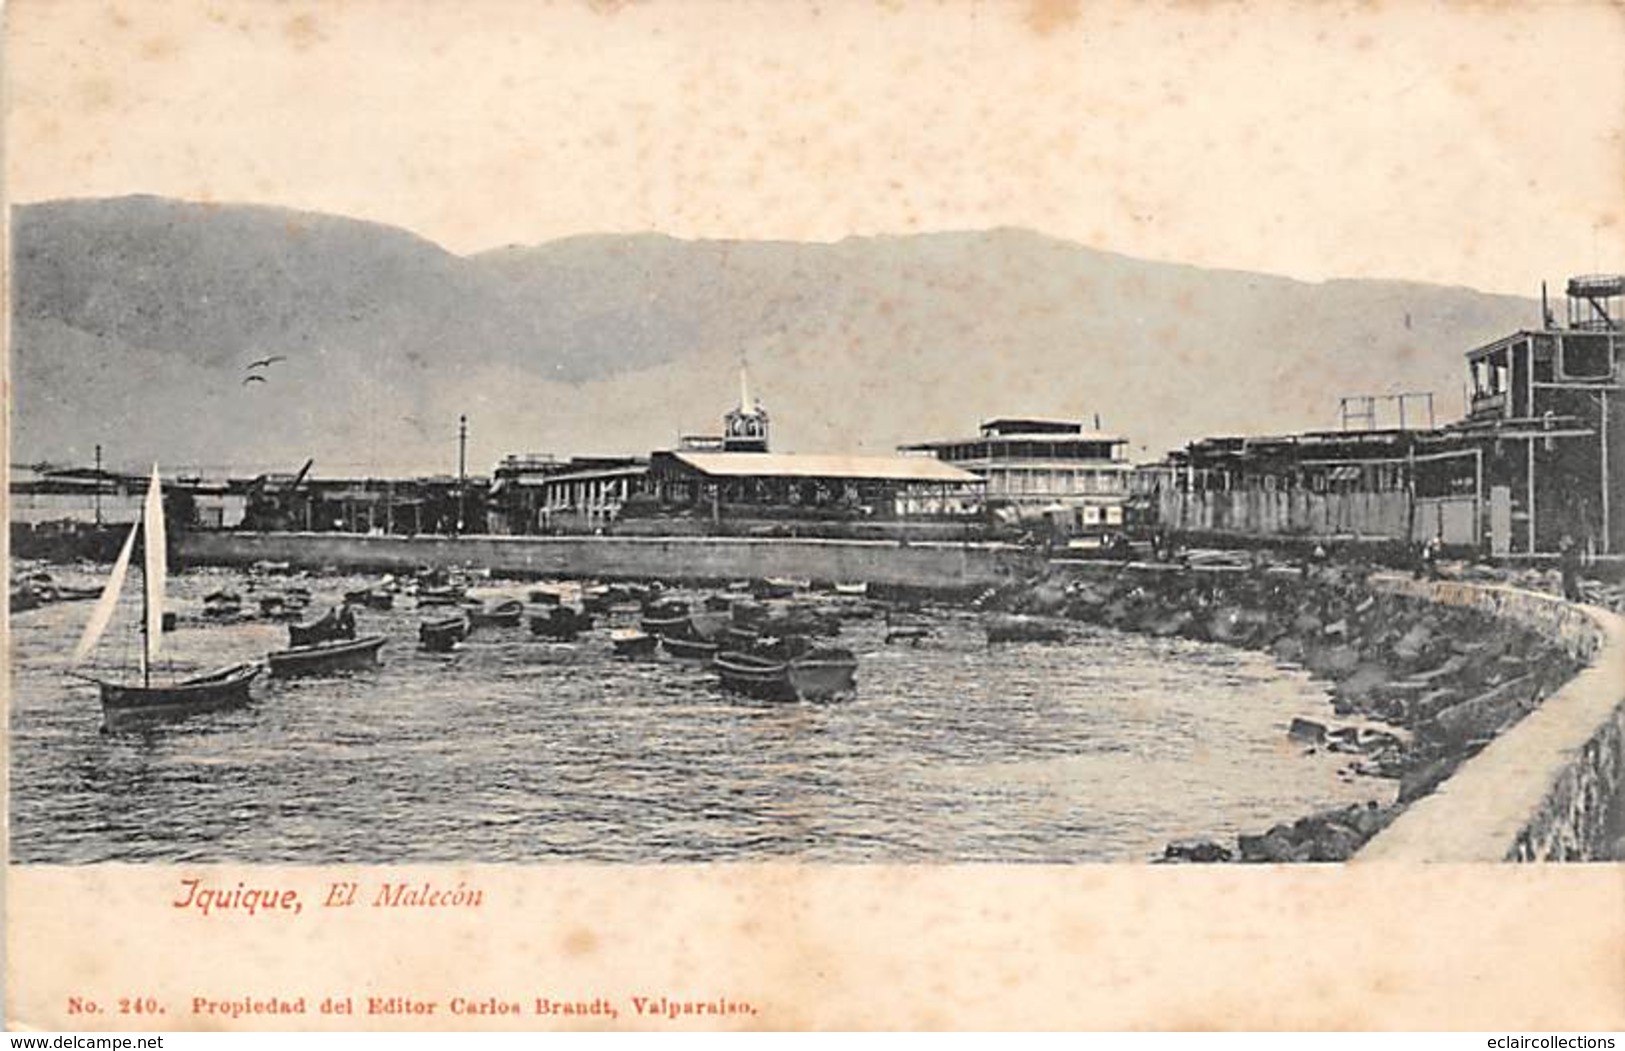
x=795, y=465
x=631, y=471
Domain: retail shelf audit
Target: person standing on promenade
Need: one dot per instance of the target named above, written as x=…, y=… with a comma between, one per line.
x=1569, y=563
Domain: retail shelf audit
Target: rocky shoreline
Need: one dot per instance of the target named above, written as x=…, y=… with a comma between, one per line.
x=1416, y=688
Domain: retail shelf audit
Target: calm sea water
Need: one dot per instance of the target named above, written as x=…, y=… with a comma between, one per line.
x=519, y=750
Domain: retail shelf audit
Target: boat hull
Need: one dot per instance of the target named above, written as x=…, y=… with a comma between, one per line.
x=440, y=596
x=813, y=678
x=563, y=625
x=328, y=629
x=634, y=645
x=123, y=704
x=440, y=636
x=326, y=658
x=689, y=649
x=371, y=599
x=666, y=625
x=507, y=615
x=753, y=676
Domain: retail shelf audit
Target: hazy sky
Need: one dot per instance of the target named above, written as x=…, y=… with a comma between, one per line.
x=1470, y=145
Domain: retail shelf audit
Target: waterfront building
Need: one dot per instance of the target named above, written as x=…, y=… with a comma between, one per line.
x=789, y=486
x=1540, y=455
x=546, y=494
x=738, y=481
x=81, y=496
x=1535, y=460
x=432, y=504
x=1076, y=478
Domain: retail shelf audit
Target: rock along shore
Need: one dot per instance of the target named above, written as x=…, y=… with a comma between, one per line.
x=1417, y=689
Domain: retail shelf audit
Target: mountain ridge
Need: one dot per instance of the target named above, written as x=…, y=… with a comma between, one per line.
x=137, y=311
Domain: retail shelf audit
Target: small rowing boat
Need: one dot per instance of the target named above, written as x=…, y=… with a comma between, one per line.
x=325, y=658
x=443, y=634
x=506, y=613
x=630, y=642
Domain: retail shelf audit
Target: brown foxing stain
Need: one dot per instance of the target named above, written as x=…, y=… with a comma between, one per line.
x=95, y=93
x=1047, y=16
x=159, y=48
x=580, y=942
x=303, y=32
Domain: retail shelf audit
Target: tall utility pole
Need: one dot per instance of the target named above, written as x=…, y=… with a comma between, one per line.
x=462, y=471
x=98, y=485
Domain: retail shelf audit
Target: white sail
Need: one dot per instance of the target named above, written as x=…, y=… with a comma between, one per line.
x=157, y=565
x=102, y=614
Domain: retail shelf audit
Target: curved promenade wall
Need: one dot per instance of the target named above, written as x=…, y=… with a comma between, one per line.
x=1551, y=788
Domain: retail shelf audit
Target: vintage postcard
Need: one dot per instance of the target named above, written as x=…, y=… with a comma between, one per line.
x=814, y=515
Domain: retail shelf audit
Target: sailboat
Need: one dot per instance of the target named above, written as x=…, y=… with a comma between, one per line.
x=125, y=702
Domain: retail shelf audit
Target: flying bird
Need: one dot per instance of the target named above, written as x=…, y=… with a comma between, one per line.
x=254, y=379
x=267, y=362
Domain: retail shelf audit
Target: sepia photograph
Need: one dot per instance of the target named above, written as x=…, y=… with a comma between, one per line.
x=719, y=502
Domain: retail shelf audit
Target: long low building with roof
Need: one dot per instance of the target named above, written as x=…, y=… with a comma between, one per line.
x=763, y=484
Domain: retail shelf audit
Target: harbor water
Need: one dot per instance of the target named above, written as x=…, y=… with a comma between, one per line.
x=516, y=749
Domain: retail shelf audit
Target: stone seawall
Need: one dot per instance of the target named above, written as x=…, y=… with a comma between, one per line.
x=1499, y=711
x=1552, y=787
x=885, y=563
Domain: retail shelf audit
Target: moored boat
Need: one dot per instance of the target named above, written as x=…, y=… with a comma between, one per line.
x=336, y=623
x=687, y=648
x=372, y=598
x=563, y=623
x=779, y=587
x=630, y=642
x=667, y=617
x=324, y=658
x=444, y=595
x=441, y=635
x=828, y=671
x=815, y=675
x=222, y=605
x=597, y=599
x=124, y=702
x=226, y=688
x=507, y=613
x=738, y=638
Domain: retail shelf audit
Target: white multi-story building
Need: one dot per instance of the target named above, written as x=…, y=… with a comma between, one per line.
x=1077, y=478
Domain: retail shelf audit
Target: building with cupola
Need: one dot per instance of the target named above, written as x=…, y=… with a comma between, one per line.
x=733, y=482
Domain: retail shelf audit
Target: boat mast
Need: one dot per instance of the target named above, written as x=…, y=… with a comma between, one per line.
x=153, y=576
x=146, y=602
